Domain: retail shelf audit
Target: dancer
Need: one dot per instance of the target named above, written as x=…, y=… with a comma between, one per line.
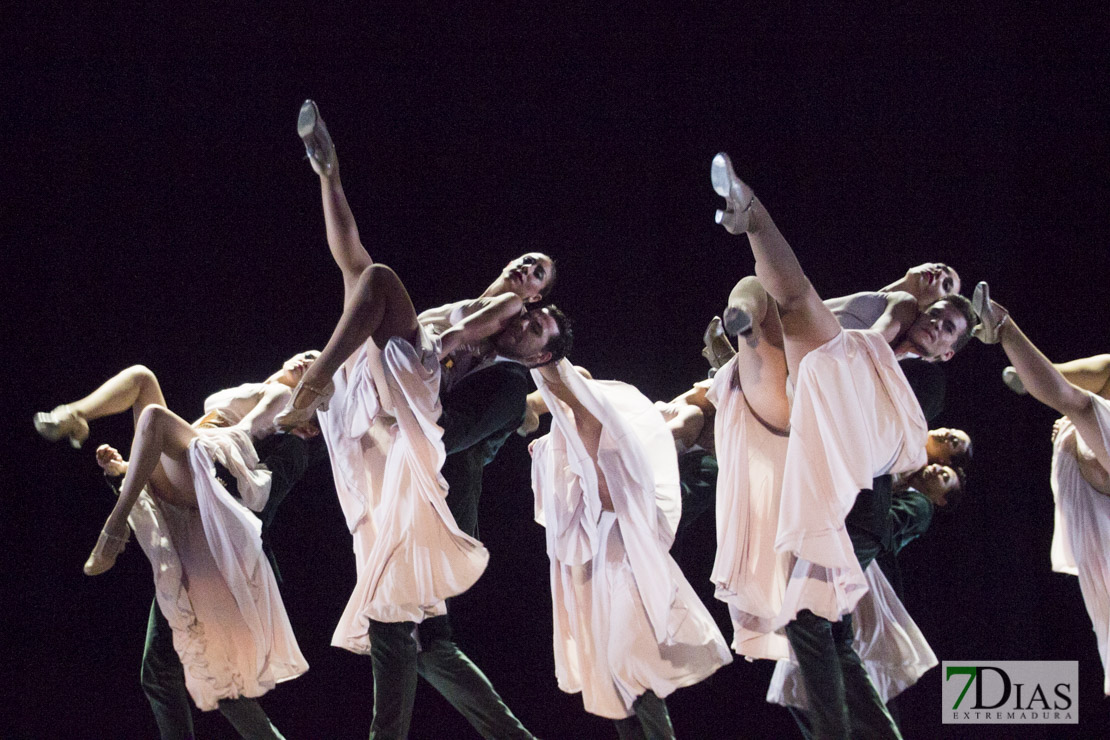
x=1080, y=461
x=387, y=451
x=214, y=586
x=853, y=417
x=629, y=628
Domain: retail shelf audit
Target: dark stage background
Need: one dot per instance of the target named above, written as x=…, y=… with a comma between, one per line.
x=158, y=209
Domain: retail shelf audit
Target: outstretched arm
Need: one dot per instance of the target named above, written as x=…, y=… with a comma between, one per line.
x=901, y=310
x=482, y=324
x=259, y=421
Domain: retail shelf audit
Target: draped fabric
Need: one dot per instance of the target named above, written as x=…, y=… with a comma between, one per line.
x=625, y=619
x=748, y=573
x=1082, y=526
x=854, y=417
x=212, y=581
x=890, y=644
x=386, y=452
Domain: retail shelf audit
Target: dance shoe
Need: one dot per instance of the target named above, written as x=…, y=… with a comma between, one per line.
x=62, y=422
x=738, y=196
x=718, y=350
x=992, y=317
x=108, y=547
x=1013, y=380
x=292, y=416
x=317, y=142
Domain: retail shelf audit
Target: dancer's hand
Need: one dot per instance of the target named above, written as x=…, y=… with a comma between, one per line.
x=109, y=459
x=1059, y=427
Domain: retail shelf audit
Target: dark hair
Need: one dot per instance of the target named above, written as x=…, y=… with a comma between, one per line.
x=962, y=305
x=546, y=291
x=560, y=344
x=953, y=498
x=963, y=458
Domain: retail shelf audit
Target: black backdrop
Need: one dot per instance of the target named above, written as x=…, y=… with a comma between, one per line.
x=158, y=209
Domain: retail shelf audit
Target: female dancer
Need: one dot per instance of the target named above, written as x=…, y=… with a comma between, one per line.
x=1080, y=460
x=629, y=628
x=375, y=303
x=214, y=585
x=854, y=417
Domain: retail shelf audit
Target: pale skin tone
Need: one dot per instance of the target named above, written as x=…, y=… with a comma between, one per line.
x=376, y=304
x=789, y=320
x=1048, y=385
x=159, y=448
x=588, y=426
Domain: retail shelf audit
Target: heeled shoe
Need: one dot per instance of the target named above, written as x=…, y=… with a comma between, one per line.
x=108, y=547
x=739, y=197
x=718, y=350
x=292, y=416
x=62, y=422
x=1013, y=380
x=317, y=142
x=992, y=317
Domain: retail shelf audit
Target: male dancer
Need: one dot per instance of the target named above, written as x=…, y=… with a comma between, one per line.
x=854, y=416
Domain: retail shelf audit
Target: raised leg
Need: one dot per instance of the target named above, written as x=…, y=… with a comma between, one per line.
x=134, y=388
x=160, y=443
x=378, y=308
x=761, y=359
x=342, y=231
x=806, y=322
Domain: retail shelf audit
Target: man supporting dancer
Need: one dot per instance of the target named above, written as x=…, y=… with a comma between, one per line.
x=213, y=587
x=853, y=417
x=629, y=628
x=387, y=450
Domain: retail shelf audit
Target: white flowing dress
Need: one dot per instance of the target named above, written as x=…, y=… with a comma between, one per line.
x=854, y=417
x=386, y=452
x=1081, y=537
x=625, y=619
x=213, y=583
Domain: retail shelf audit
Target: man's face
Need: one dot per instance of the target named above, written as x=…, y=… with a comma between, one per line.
x=936, y=331
x=524, y=338
x=932, y=281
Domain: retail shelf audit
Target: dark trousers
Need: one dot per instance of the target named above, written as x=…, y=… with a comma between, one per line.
x=650, y=721
x=163, y=680
x=842, y=700
x=397, y=661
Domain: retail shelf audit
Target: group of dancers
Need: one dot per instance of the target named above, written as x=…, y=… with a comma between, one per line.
x=811, y=440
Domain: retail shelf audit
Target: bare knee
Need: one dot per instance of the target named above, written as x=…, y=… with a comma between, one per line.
x=152, y=420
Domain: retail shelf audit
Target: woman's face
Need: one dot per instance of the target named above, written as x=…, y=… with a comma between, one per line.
x=932, y=281
x=936, y=482
x=293, y=369
x=528, y=275
x=945, y=445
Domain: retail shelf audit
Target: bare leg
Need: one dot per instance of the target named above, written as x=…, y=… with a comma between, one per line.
x=1046, y=384
x=378, y=307
x=342, y=231
x=1090, y=373
x=761, y=363
x=132, y=389
x=806, y=322
x=160, y=444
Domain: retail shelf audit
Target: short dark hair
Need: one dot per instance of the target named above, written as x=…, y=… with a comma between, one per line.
x=962, y=305
x=560, y=344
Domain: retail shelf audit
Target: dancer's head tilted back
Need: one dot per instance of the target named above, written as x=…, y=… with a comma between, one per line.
x=928, y=282
x=538, y=337
x=948, y=446
x=530, y=276
x=941, y=484
x=941, y=330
